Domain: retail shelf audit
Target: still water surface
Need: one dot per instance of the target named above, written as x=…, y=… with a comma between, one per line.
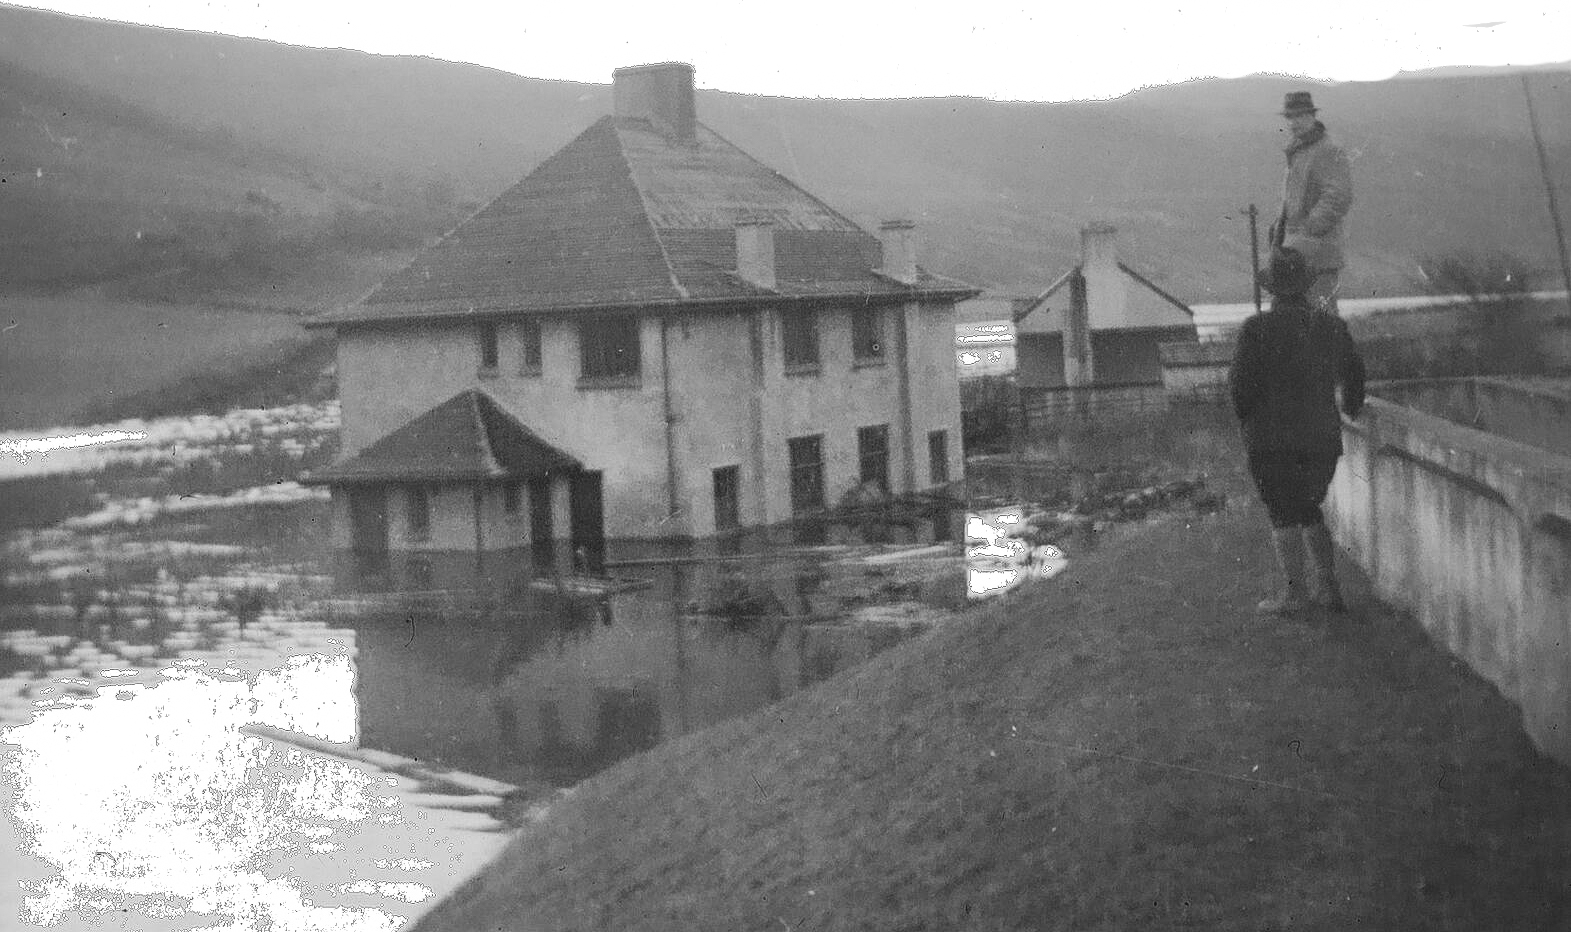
x=474, y=665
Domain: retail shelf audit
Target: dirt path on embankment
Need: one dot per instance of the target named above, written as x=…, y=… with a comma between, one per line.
x=1125, y=747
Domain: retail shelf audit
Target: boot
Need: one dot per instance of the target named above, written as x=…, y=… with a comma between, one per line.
x=1288, y=542
x=1322, y=556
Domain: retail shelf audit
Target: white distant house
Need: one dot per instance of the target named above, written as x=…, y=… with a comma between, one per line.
x=653, y=335
x=1100, y=323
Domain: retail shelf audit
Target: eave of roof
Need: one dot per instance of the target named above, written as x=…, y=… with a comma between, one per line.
x=938, y=290
x=469, y=437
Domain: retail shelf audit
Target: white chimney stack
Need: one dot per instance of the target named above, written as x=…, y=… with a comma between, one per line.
x=661, y=94
x=899, y=240
x=755, y=252
x=1107, y=286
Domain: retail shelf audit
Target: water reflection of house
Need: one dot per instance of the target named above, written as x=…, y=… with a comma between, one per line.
x=559, y=688
x=1099, y=325
x=653, y=335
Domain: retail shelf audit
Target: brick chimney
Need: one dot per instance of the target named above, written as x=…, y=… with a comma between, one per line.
x=755, y=252
x=661, y=94
x=899, y=241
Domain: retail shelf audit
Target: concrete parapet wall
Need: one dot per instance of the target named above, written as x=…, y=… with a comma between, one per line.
x=1471, y=532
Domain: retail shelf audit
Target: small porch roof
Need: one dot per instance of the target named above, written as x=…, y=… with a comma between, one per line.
x=469, y=437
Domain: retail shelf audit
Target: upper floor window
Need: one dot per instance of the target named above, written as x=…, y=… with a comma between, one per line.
x=799, y=333
x=529, y=333
x=489, y=350
x=608, y=349
x=867, y=335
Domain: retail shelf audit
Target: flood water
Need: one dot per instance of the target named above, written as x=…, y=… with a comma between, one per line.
x=461, y=662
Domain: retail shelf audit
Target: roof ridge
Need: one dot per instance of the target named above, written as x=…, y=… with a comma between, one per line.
x=477, y=402
x=1129, y=270
x=1046, y=293
x=643, y=201
x=789, y=181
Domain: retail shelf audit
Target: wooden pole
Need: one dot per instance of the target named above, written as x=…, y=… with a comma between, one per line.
x=1549, y=188
x=1254, y=253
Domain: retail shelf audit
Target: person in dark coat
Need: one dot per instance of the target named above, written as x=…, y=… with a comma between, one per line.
x=1286, y=369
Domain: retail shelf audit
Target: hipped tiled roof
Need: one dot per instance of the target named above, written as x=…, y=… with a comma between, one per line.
x=467, y=437
x=622, y=216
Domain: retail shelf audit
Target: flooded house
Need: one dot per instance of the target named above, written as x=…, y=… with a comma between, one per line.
x=1099, y=325
x=651, y=336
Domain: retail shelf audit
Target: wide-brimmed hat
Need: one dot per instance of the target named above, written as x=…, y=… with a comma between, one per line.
x=1297, y=102
x=1288, y=273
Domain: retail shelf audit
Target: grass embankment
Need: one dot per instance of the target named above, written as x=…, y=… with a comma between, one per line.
x=1127, y=747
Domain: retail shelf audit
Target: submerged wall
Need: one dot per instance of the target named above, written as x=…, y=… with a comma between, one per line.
x=1471, y=532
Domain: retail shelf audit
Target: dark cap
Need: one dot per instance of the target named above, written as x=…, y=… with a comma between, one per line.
x=1288, y=273
x=1297, y=102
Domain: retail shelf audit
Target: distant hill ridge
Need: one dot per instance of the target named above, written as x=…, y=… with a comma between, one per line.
x=247, y=163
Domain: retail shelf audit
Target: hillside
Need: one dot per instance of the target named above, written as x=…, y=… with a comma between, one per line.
x=176, y=131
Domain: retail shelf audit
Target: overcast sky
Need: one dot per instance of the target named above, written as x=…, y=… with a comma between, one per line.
x=841, y=48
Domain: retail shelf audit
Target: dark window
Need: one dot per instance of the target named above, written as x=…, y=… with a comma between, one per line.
x=807, y=473
x=608, y=348
x=938, y=456
x=867, y=334
x=419, y=573
x=799, y=332
x=512, y=497
x=488, y=346
x=529, y=331
x=728, y=505
x=541, y=530
x=419, y=512
x=872, y=453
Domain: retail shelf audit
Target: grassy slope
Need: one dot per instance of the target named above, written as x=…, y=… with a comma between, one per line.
x=1126, y=748
x=61, y=355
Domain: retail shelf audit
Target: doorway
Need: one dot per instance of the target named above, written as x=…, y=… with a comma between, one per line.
x=587, y=503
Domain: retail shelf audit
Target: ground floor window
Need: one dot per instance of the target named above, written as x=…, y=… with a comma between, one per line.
x=728, y=503
x=807, y=473
x=512, y=496
x=417, y=503
x=872, y=452
x=938, y=456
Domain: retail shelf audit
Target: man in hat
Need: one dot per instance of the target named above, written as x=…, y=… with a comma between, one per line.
x=1287, y=367
x=1316, y=195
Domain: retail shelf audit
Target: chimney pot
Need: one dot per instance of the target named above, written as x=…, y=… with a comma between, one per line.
x=755, y=252
x=899, y=242
x=662, y=94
